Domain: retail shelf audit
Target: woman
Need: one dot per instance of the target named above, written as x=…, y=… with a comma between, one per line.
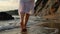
x=24, y=12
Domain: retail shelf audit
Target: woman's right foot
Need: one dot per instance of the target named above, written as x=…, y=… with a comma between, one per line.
x=24, y=29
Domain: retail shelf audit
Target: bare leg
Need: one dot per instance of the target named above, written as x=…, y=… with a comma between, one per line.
x=26, y=17
x=21, y=19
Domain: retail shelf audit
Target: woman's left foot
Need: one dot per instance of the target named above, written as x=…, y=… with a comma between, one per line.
x=24, y=30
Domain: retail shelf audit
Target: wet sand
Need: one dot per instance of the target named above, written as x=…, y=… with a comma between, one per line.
x=35, y=25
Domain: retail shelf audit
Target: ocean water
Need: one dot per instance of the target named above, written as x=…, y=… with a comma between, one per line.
x=16, y=21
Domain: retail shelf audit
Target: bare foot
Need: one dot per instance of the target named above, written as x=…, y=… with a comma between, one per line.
x=24, y=30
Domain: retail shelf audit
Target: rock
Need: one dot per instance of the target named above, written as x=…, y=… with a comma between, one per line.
x=5, y=16
x=46, y=7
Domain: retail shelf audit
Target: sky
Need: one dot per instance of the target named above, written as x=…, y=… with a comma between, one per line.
x=6, y=5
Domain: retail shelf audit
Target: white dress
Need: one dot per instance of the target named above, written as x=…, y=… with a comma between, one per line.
x=26, y=6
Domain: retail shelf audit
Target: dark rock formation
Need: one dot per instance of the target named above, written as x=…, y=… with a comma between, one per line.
x=5, y=16
x=46, y=7
x=49, y=10
x=12, y=12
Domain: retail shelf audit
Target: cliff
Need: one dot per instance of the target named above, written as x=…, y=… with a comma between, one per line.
x=47, y=7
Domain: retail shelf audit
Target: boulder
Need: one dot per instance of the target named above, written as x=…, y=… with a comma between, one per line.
x=5, y=16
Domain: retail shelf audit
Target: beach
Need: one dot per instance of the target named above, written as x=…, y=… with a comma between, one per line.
x=33, y=26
